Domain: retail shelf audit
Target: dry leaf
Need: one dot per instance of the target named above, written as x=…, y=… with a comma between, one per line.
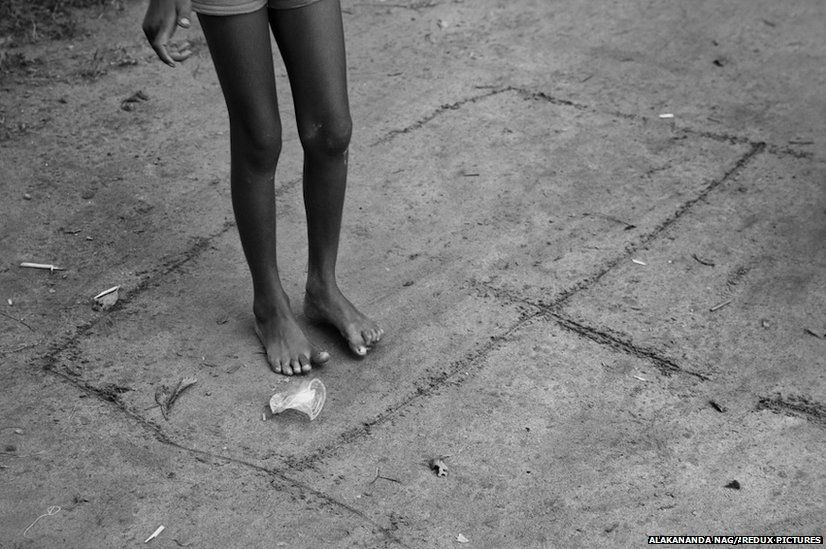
x=166, y=397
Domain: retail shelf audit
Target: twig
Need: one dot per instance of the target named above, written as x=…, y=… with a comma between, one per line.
x=17, y=320
x=378, y=476
x=703, y=261
x=812, y=332
x=720, y=305
x=628, y=226
x=53, y=510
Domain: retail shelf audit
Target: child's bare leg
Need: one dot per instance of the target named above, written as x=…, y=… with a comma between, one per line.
x=241, y=52
x=311, y=41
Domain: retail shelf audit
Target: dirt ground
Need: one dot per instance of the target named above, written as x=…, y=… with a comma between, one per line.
x=595, y=233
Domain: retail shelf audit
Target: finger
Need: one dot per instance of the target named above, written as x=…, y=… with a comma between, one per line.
x=181, y=55
x=159, y=43
x=163, y=54
x=183, y=14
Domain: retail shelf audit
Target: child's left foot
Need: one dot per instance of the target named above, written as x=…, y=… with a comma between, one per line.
x=330, y=305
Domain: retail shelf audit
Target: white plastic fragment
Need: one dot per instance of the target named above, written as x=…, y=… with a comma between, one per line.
x=41, y=266
x=638, y=262
x=307, y=397
x=462, y=539
x=107, y=298
x=667, y=115
x=155, y=533
x=107, y=292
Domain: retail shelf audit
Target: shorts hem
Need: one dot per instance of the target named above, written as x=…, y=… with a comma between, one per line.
x=290, y=4
x=223, y=9
x=212, y=7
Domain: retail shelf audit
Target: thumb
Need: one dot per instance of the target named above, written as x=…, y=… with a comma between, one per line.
x=183, y=9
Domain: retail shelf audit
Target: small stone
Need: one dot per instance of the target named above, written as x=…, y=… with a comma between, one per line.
x=27, y=196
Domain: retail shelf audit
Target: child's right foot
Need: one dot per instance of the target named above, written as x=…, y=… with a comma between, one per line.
x=289, y=352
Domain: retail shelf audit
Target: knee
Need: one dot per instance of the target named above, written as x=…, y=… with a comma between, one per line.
x=329, y=137
x=258, y=148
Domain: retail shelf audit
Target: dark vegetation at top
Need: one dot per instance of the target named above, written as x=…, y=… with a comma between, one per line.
x=28, y=21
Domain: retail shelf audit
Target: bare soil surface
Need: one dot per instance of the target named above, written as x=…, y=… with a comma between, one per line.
x=595, y=234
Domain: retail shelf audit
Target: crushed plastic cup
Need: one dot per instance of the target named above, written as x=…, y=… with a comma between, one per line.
x=307, y=397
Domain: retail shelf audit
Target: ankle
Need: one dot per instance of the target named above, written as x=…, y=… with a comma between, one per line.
x=271, y=306
x=319, y=286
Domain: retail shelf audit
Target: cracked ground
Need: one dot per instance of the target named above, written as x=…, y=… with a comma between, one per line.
x=607, y=322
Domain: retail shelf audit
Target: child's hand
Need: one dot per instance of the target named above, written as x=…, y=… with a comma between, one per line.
x=159, y=23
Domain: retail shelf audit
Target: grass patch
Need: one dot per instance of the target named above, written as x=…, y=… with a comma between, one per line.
x=28, y=21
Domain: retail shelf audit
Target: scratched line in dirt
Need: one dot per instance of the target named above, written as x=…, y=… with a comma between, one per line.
x=527, y=94
x=168, y=265
x=424, y=388
x=796, y=406
x=663, y=364
x=645, y=239
x=429, y=385
x=286, y=481
x=172, y=265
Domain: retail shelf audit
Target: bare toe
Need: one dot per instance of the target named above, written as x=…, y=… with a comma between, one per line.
x=319, y=357
x=285, y=343
x=357, y=348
